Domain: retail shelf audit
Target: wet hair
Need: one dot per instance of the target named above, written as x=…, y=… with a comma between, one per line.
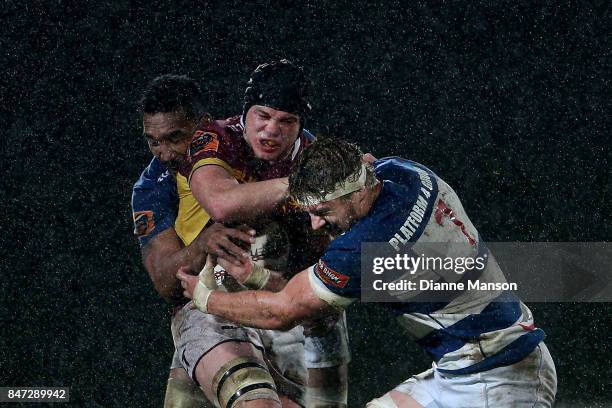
x=280, y=85
x=323, y=165
x=173, y=93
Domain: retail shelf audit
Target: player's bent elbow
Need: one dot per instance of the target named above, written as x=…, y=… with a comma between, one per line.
x=220, y=211
x=170, y=291
x=171, y=294
x=159, y=263
x=285, y=319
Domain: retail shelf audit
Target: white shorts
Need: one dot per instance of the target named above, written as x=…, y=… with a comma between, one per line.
x=329, y=349
x=531, y=383
x=284, y=355
x=176, y=361
x=196, y=333
x=319, y=351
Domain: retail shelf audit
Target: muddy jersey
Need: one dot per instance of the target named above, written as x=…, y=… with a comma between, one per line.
x=415, y=208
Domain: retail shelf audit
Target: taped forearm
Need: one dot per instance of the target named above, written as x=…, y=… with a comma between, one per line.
x=201, y=294
x=263, y=278
x=205, y=286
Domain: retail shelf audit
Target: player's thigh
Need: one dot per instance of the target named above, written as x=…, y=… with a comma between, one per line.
x=284, y=353
x=327, y=377
x=195, y=334
x=327, y=356
x=180, y=374
x=209, y=347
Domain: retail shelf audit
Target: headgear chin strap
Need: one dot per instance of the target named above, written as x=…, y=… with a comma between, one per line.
x=341, y=188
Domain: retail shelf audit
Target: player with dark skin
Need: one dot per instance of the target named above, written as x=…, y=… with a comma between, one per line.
x=168, y=134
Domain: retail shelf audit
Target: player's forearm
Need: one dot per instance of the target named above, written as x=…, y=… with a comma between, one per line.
x=243, y=201
x=276, y=282
x=191, y=256
x=164, y=272
x=262, y=309
x=254, y=308
x=163, y=256
x=169, y=289
x=255, y=278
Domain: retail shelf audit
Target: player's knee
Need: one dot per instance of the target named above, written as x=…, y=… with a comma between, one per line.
x=394, y=399
x=181, y=374
x=243, y=379
x=184, y=393
x=383, y=402
x=326, y=397
x=327, y=387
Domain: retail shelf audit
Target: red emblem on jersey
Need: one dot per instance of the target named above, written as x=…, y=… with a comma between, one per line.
x=143, y=223
x=203, y=142
x=329, y=276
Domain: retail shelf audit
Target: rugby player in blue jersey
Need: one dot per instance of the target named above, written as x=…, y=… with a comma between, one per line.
x=485, y=346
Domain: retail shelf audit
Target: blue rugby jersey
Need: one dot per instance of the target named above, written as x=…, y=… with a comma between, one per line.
x=154, y=202
x=469, y=333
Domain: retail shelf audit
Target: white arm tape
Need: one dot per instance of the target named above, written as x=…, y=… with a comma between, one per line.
x=258, y=277
x=206, y=285
x=326, y=295
x=200, y=296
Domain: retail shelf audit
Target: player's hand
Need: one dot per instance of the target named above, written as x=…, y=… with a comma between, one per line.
x=228, y=243
x=240, y=271
x=188, y=281
x=199, y=287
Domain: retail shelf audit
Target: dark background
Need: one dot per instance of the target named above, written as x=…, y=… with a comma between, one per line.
x=509, y=102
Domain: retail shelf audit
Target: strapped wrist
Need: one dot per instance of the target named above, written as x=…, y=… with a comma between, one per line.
x=258, y=278
x=206, y=285
x=201, y=294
